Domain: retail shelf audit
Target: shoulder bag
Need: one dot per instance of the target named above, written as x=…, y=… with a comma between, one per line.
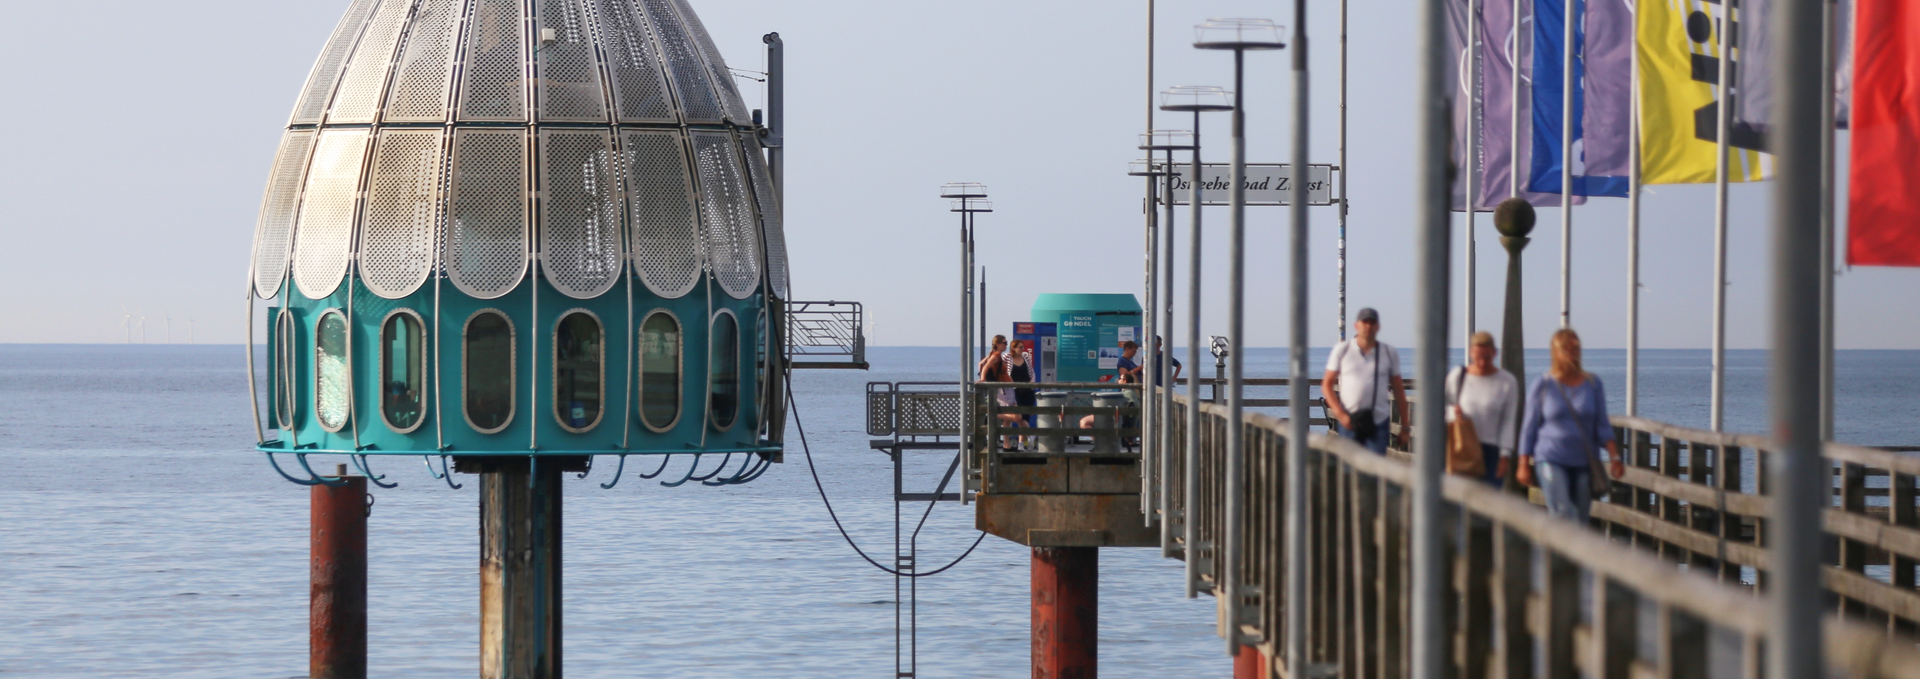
x=1363, y=425
x=1464, y=456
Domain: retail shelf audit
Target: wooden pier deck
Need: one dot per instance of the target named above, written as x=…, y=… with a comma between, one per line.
x=1668, y=581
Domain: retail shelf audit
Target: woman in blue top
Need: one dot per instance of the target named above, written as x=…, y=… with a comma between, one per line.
x=1566, y=418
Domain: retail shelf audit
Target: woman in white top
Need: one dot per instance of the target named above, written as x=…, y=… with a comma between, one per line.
x=1490, y=397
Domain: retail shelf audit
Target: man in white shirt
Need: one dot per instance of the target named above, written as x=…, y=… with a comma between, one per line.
x=1364, y=369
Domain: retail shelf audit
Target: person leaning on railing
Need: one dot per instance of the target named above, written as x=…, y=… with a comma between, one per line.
x=995, y=368
x=1565, y=425
x=1019, y=366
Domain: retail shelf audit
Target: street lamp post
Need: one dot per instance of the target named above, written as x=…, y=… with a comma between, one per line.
x=1197, y=100
x=1149, y=417
x=1239, y=36
x=1166, y=141
x=968, y=198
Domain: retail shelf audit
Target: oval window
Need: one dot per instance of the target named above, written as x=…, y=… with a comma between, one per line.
x=487, y=368
x=403, y=368
x=283, y=359
x=332, y=377
x=579, y=371
x=660, y=371
x=723, y=371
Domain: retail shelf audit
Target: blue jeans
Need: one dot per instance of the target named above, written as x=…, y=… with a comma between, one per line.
x=1491, y=458
x=1567, y=489
x=1377, y=444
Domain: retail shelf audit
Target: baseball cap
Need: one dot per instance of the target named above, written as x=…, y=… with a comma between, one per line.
x=1367, y=314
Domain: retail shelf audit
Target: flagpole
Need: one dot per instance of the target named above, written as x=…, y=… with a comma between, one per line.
x=1472, y=166
x=1566, y=164
x=1828, y=62
x=1722, y=114
x=1633, y=242
x=1513, y=98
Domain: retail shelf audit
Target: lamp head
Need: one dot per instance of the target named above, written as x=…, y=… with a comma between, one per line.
x=1196, y=98
x=963, y=190
x=1237, y=34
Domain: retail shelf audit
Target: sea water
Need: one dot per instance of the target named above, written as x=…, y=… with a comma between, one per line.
x=141, y=537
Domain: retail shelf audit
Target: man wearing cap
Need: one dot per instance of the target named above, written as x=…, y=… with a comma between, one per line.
x=1363, y=369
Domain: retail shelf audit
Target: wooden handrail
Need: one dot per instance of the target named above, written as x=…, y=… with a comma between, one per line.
x=1358, y=548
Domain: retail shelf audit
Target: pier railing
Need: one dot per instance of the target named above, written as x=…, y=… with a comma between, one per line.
x=1519, y=581
x=1699, y=498
x=826, y=335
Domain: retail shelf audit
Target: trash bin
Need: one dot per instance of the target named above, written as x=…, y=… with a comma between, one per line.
x=1108, y=402
x=1050, y=443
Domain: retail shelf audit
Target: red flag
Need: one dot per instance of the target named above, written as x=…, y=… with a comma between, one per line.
x=1883, y=216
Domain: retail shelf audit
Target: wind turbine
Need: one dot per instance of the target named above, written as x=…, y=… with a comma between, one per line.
x=168, y=315
x=126, y=324
x=143, y=327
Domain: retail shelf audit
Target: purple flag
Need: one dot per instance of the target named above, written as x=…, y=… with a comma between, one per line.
x=1495, y=157
x=1753, y=89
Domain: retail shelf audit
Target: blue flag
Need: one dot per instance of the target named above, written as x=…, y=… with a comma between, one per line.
x=1602, y=75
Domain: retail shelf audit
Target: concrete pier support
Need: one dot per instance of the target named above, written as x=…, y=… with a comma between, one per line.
x=1066, y=612
x=337, y=603
x=519, y=568
x=1249, y=663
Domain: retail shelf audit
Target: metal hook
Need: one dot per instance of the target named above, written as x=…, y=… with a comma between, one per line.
x=533, y=470
x=661, y=468
x=616, y=474
x=765, y=464
x=716, y=470
x=689, y=474
x=589, y=469
x=746, y=467
x=328, y=481
x=312, y=481
x=447, y=473
x=361, y=462
x=428, y=461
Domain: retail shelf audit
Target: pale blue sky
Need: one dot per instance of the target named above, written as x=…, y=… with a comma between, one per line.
x=138, y=149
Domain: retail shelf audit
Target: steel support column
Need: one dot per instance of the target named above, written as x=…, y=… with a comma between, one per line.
x=1432, y=241
x=1295, y=530
x=1249, y=663
x=1800, y=477
x=337, y=604
x=1066, y=612
x=520, y=569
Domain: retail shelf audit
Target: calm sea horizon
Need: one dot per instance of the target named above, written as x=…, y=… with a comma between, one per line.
x=141, y=536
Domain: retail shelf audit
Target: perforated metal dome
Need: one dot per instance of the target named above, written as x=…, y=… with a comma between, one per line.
x=485, y=138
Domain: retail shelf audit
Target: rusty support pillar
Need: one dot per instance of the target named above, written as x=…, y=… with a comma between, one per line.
x=1066, y=612
x=337, y=603
x=519, y=569
x=1249, y=663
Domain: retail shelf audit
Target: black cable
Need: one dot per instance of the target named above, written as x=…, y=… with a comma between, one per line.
x=808, y=450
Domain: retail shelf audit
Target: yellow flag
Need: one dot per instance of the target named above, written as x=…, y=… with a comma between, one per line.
x=1679, y=52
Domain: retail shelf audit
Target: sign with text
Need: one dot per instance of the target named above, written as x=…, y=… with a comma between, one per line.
x=1267, y=183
